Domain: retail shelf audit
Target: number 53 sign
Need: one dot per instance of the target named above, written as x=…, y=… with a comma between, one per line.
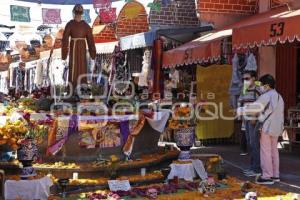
x=277, y=29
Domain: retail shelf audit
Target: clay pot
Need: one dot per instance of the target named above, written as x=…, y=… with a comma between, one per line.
x=48, y=41
x=4, y=61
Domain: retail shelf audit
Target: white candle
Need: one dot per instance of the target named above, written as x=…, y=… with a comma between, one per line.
x=75, y=176
x=143, y=171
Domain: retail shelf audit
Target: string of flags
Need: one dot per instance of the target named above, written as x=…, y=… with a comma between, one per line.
x=49, y=15
x=106, y=12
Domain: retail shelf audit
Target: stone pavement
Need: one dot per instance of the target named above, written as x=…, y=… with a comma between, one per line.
x=234, y=164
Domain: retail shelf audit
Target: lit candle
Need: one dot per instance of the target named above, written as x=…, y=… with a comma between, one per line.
x=75, y=176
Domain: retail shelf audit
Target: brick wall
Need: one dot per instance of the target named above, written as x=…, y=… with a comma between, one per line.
x=129, y=23
x=221, y=13
x=182, y=15
x=108, y=34
x=227, y=6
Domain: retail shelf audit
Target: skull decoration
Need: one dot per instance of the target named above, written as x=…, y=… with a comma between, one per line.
x=211, y=185
x=203, y=187
x=152, y=194
x=251, y=196
x=207, y=186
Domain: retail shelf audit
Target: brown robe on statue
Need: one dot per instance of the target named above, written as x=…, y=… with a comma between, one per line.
x=80, y=33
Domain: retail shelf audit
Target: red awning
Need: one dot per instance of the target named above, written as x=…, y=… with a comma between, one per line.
x=208, y=47
x=204, y=49
x=277, y=27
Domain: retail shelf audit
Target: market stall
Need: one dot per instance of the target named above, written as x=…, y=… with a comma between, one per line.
x=138, y=49
x=274, y=35
x=186, y=79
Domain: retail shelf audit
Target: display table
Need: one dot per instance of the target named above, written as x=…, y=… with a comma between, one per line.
x=187, y=170
x=28, y=189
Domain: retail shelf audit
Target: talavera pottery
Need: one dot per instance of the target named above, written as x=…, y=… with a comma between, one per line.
x=184, y=138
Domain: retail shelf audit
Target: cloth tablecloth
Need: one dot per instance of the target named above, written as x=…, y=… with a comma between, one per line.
x=182, y=171
x=188, y=171
x=159, y=120
x=28, y=189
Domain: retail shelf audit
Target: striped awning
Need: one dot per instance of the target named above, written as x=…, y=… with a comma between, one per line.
x=106, y=48
x=276, y=26
x=139, y=40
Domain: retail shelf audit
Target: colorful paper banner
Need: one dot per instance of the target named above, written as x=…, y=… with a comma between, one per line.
x=86, y=16
x=154, y=6
x=19, y=13
x=102, y=3
x=108, y=15
x=51, y=16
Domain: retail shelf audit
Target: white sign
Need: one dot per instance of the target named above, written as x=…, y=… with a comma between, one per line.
x=115, y=185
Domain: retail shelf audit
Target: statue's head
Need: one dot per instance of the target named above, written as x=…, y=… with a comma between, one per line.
x=78, y=9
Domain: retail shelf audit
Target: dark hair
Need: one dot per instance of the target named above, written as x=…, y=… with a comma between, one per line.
x=268, y=80
x=78, y=9
x=251, y=73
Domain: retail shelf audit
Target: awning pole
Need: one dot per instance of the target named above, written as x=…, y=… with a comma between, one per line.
x=157, y=63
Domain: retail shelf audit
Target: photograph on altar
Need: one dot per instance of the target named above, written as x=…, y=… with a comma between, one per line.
x=104, y=137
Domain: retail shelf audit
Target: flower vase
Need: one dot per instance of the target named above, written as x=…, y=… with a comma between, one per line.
x=27, y=153
x=184, y=138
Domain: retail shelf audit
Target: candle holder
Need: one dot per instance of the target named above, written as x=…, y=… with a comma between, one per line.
x=63, y=183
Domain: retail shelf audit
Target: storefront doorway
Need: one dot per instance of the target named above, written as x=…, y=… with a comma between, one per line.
x=286, y=73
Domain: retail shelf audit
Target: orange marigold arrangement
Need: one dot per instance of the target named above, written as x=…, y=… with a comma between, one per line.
x=183, y=117
x=12, y=132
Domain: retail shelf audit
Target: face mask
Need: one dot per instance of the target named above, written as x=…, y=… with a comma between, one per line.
x=262, y=89
x=247, y=83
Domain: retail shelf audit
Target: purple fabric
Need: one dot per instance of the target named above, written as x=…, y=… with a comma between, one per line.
x=124, y=129
x=73, y=125
x=54, y=149
x=73, y=128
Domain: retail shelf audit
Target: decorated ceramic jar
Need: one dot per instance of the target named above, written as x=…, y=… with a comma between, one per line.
x=28, y=150
x=27, y=172
x=184, y=138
